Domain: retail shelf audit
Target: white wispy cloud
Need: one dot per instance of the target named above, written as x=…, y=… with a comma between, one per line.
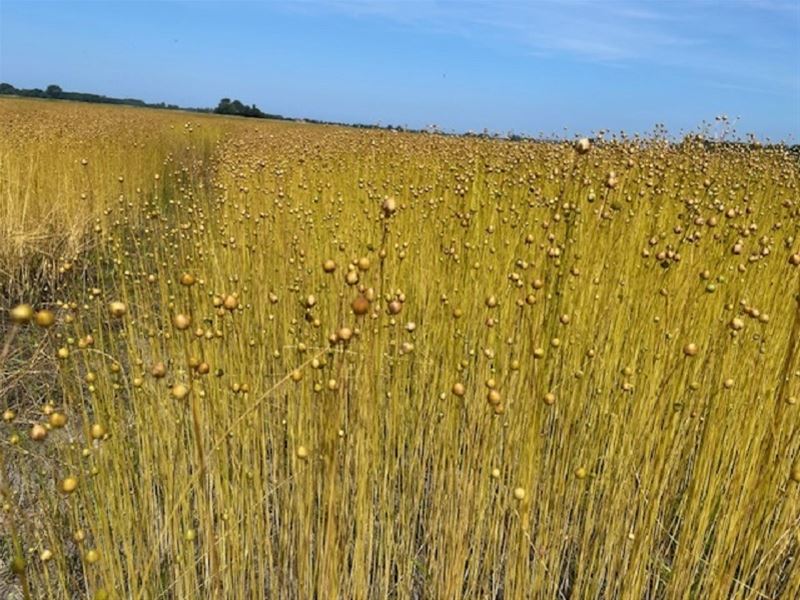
x=719, y=38
x=589, y=30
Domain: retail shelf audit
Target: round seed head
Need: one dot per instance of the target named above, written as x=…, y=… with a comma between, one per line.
x=493, y=397
x=395, y=306
x=182, y=322
x=180, y=391
x=389, y=207
x=21, y=314
x=583, y=145
x=351, y=278
x=117, y=309
x=45, y=319
x=57, y=420
x=69, y=484
x=38, y=432
x=230, y=302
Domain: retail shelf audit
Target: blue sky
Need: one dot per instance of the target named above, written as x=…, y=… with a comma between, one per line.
x=551, y=66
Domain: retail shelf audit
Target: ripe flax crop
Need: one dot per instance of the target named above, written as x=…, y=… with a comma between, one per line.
x=315, y=361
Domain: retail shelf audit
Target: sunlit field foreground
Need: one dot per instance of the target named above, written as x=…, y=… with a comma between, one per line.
x=293, y=361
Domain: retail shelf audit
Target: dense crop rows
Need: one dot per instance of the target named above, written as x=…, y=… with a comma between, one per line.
x=294, y=361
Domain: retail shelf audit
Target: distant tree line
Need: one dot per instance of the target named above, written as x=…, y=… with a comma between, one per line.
x=227, y=106
x=55, y=92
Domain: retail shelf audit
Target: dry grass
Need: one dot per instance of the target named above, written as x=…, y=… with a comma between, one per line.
x=520, y=411
x=63, y=165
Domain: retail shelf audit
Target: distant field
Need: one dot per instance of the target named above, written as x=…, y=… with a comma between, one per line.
x=280, y=360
